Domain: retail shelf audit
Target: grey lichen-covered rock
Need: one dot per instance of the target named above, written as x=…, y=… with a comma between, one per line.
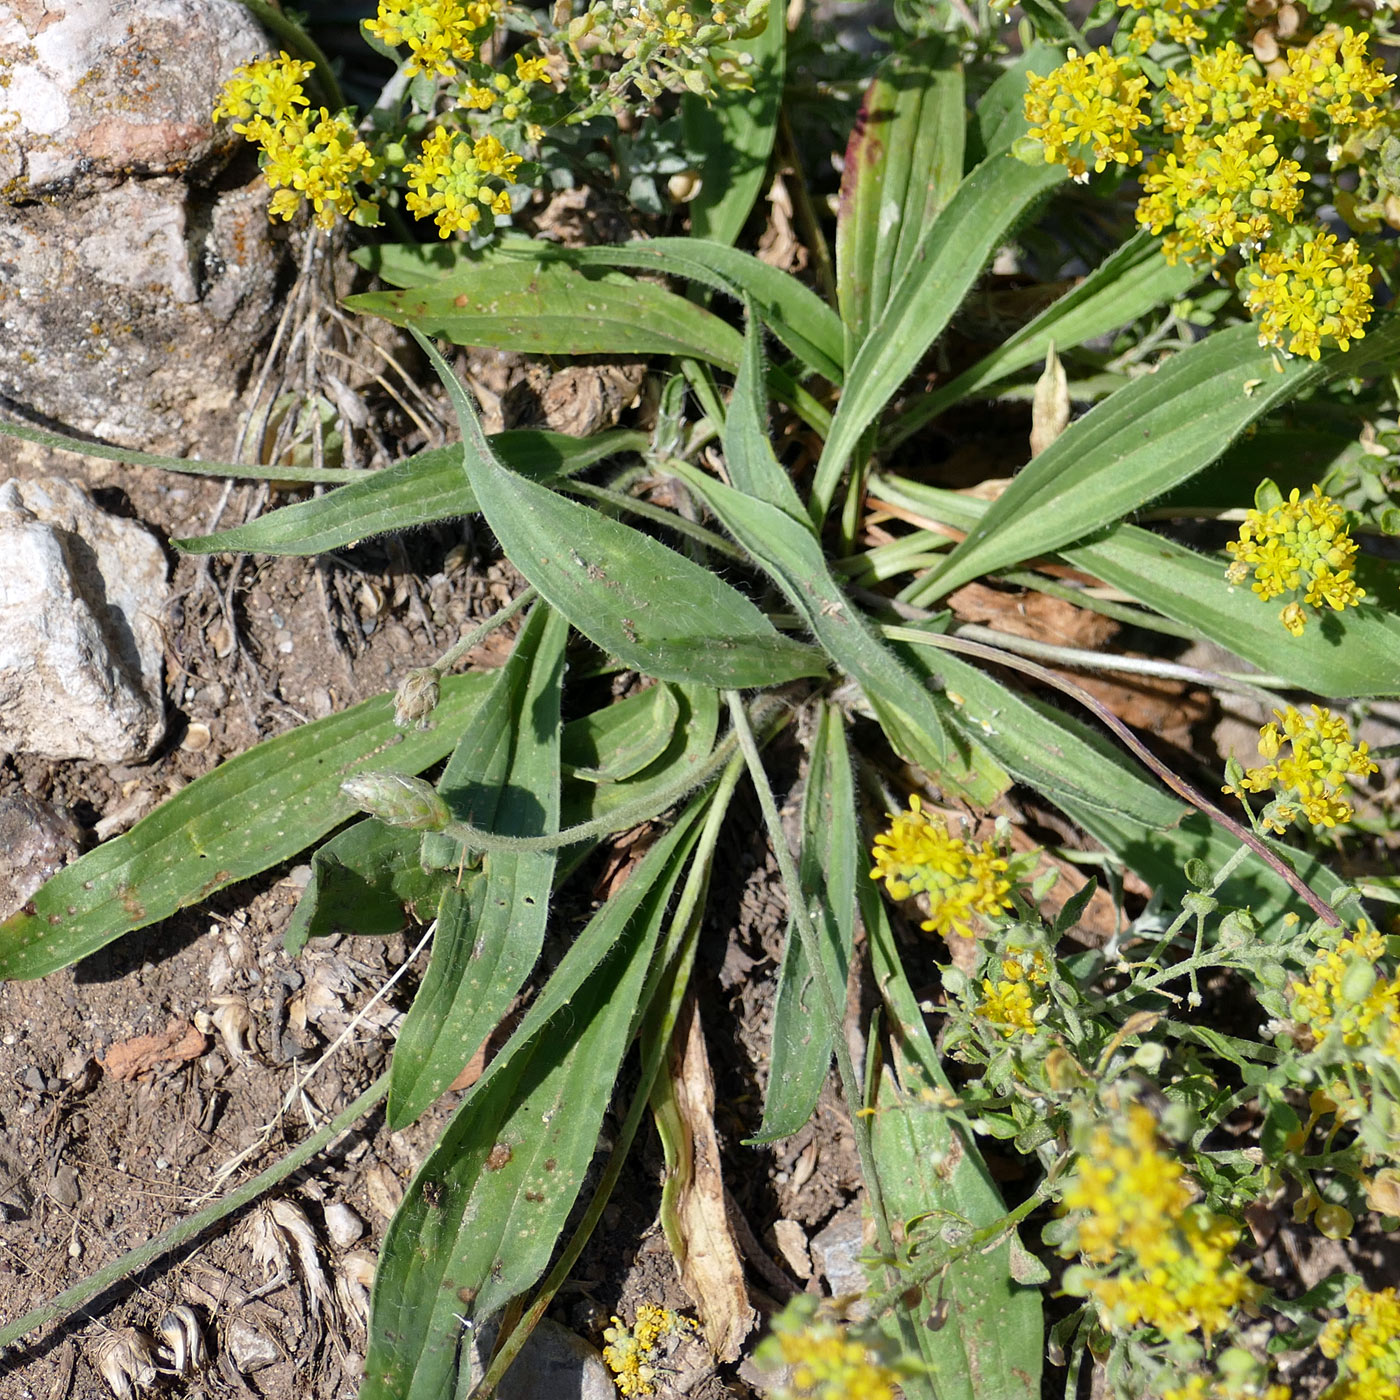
x=136, y=277
x=81, y=596
x=36, y=841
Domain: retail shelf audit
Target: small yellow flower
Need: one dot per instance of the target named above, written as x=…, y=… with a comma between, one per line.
x=438, y=33
x=1366, y=1347
x=1298, y=545
x=1172, y=19
x=1086, y=112
x=449, y=181
x=1366, y=1013
x=318, y=158
x=1331, y=73
x=632, y=1352
x=1008, y=1005
x=1227, y=1388
x=267, y=91
x=1312, y=777
x=830, y=1363
x=918, y=855
x=1221, y=87
x=1158, y=1260
x=1314, y=291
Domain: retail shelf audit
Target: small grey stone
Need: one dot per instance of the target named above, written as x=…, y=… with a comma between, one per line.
x=836, y=1252
x=64, y=1186
x=36, y=841
x=249, y=1347
x=343, y=1225
x=553, y=1365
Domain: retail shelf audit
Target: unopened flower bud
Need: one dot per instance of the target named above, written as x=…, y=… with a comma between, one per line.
x=398, y=800
x=417, y=698
x=1335, y=1222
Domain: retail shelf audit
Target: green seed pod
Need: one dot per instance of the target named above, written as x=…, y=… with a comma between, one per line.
x=1335, y=1222
x=398, y=800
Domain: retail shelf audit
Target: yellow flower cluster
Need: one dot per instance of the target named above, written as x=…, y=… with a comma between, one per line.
x=1310, y=290
x=438, y=33
x=1237, y=144
x=1298, y=545
x=1366, y=1347
x=1222, y=1388
x=963, y=880
x=1087, y=110
x=828, y=1363
x=1218, y=192
x=268, y=90
x=449, y=181
x=1312, y=777
x=306, y=155
x=1344, y=995
x=1159, y=1261
x=1010, y=1003
x=1171, y=19
x=631, y=1353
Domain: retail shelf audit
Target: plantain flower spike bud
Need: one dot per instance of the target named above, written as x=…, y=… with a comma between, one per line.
x=398, y=800
x=417, y=698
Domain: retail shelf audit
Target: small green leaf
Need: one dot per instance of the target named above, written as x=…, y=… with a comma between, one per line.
x=368, y=879
x=418, y=490
x=503, y=777
x=998, y=117
x=618, y=741
x=729, y=136
x=802, y=1035
x=249, y=814
x=657, y=611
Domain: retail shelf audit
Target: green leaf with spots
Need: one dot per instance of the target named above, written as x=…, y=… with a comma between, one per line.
x=249, y=814
x=481, y=1218
x=657, y=611
x=503, y=778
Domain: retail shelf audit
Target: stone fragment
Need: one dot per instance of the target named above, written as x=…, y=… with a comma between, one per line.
x=81, y=596
x=343, y=1225
x=36, y=841
x=249, y=1347
x=138, y=275
x=554, y=1363
x=836, y=1252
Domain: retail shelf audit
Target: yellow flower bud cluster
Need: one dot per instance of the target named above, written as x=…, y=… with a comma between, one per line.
x=1344, y=995
x=450, y=181
x=828, y=1361
x=964, y=881
x=1153, y=1259
x=1311, y=778
x=439, y=34
x=1010, y=1003
x=1298, y=546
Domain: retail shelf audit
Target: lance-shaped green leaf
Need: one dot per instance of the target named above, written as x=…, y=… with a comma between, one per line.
x=790, y=309
x=481, y=1218
x=1352, y=653
x=503, y=777
x=1132, y=280
x=903, y=161
x=418, y=490
x=1148, y=437
x=953, y=251
x=990, y=1345
x=248, y=814
x=803, y=1036
x=368, y=879
x=618, y=741
x=545, y=307
x=787, y=550
x=1108, y=793
x=655, y=610
x=729, y=136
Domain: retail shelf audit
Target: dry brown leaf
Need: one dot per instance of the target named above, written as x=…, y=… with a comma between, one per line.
x=706, y=1253
x=180, y=1041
